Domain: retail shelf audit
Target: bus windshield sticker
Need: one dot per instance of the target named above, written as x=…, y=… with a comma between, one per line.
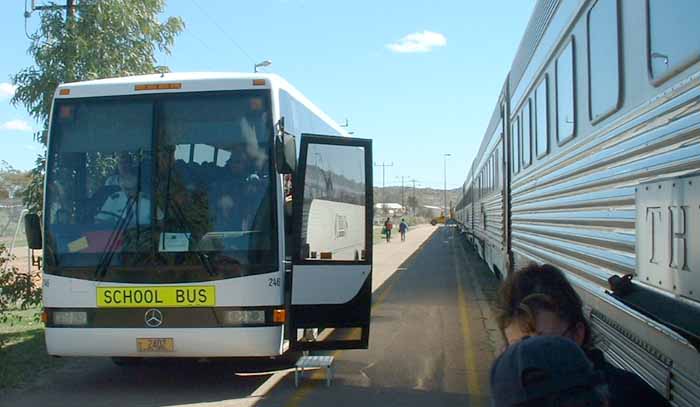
x=174, y=242
x=78, y=245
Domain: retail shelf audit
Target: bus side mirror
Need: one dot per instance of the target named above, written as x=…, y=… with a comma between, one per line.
x=32, y=228
x=285, y=150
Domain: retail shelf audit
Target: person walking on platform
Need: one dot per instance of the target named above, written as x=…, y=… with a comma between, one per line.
x=403, y=228
x=387, y=227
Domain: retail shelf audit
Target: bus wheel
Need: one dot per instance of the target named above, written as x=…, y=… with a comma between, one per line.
x=127, y=361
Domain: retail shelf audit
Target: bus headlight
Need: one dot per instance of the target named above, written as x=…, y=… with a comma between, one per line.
x=72, y=318
x=244, y=317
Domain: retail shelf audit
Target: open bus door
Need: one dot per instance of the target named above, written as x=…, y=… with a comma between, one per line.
x=331, y=278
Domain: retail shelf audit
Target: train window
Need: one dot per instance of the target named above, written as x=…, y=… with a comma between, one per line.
x=498, y=167
x=515, y=145
x=566, y=116
x=488, y=174
x=486, y=177
x=673, y=36
x=603, y=59
x=541, y=127
x=494, y=169
x=527, y=133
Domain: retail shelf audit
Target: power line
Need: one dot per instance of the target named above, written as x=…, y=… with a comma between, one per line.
x=200, y=40
x=223, y=31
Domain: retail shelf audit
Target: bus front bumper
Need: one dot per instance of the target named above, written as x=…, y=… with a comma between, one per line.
x=187, y=342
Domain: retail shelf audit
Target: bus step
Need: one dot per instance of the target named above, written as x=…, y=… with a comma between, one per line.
x=313, y=362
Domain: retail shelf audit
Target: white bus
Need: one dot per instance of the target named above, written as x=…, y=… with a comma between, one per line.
x=175, y=220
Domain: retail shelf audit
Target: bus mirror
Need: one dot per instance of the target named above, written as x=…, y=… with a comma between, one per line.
x=32, y=228
x=285, y=150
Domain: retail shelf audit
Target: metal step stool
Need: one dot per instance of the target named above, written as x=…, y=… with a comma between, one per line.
x=314, y=362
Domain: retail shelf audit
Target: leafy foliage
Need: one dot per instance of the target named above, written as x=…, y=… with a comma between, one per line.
x=18, y=290
x=105, y=38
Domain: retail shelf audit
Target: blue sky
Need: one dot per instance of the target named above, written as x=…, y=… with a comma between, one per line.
x=420, y=78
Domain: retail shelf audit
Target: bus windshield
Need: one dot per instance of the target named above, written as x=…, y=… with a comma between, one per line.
x=161, y=188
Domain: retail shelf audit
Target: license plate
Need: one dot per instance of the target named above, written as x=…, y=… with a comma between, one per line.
x=156, y=296
x=149, y=345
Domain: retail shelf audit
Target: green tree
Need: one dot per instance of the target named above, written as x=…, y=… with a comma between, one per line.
x=102, y=39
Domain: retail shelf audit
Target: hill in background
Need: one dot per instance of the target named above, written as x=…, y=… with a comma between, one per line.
x=424, y=196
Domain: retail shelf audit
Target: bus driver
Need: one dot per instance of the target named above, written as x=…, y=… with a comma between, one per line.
x=116, y=204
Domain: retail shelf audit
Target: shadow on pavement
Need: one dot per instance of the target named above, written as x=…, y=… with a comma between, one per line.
x=98, y=382
x=313, y=392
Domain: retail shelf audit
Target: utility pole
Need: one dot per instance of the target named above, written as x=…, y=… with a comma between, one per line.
x=414, y=193
x=402, y=189
x=70, y=9
x=383, y=165
x=70, y=14
x=445, y=167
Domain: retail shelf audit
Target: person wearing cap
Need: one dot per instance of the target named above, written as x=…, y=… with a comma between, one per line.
x=546, y=371
x=539, y=300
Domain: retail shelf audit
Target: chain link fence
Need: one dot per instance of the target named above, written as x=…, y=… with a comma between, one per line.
x=12, y=232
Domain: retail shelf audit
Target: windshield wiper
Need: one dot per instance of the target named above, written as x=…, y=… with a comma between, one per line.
x=182, y=221
x=121, y=226
x=110, y=248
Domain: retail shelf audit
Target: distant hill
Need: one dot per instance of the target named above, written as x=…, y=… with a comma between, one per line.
x=424, y=196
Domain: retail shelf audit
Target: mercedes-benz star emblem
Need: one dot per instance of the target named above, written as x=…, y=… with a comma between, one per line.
x=153, y=318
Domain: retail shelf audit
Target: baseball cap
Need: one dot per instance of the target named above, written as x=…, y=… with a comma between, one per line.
x=538, y=367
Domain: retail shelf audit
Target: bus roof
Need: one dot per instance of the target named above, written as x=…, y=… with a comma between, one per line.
x=186, y=82
x=191, y=81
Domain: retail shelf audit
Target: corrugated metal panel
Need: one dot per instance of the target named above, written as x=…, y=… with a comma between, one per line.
x=580, y=204
x=685, y=392
x=543, y=12
x=618, y=344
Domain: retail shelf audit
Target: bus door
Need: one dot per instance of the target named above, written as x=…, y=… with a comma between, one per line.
x=331, y=278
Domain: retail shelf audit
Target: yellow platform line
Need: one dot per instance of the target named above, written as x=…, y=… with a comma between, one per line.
x=473, y=386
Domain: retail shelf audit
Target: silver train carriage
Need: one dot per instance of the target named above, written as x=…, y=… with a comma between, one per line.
x=591, y=162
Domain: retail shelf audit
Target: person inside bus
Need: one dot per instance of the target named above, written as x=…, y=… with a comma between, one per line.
x=122, y=188
x=234, y=196
x=546, y=371
x=539, y=300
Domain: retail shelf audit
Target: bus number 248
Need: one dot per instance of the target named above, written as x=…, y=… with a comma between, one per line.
x=274, y=282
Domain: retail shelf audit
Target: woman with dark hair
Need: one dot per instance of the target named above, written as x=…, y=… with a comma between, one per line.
x=539, y=300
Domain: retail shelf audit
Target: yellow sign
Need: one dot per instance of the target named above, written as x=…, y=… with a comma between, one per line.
x=165, y=296
x=78, y=245
x=155, y=344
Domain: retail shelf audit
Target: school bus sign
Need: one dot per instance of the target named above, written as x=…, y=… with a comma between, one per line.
x=167, y=296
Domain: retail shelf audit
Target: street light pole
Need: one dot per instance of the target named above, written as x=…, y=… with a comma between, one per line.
x=262, y=64
x=444, y=161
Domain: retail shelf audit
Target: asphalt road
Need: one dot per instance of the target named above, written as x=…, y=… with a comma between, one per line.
x=432, y=342
x=432, y=338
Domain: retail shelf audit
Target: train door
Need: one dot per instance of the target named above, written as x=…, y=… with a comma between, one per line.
x=331, y=277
